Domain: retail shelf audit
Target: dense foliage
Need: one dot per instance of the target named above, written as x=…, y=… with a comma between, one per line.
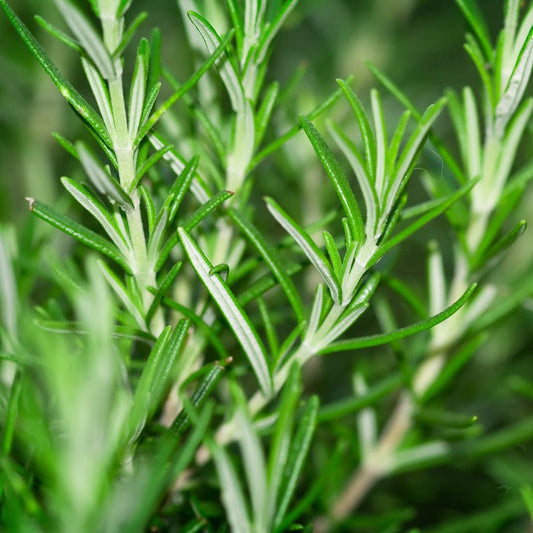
x=260, y=299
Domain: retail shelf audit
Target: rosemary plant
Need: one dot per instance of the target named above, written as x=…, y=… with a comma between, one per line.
x=181, y=328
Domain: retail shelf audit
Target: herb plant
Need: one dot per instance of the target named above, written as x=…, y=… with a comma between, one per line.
x=155, y=374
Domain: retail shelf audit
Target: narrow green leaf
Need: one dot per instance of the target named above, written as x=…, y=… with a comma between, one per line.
x=474, y=16
x=138, y=88
x=236, y=19
x=233, y=312
x=78, y=103
x=298, y=452
x=476, y=55
x=209, y=330
x=271, y=259
x=411, y=151
x=205, y=209
x=365, y=181
x=147, y=165
x=149, y=206
x=168, y=280
x=66, y=144
x=129, y=33
x=88, y=37
x=268, y=324
x=364, y=127
x=89, y=202
x=123, y=294
x=58, y=34
x=154, y=72
x=182, y=184
x=141, y=409
x=507, y=240
x=149, y=103
x=333, y=253
x=272, y=29
x=100, y=94
x=382, y=174
x=167, y=364
x=156, y=237
x=102, y=179
x=227, y=71
x=435, y=140
x=123, y=7
x=397, y=137
x=264, y=112
x=527, y=496
x=11, y=414
x=199, y=396
x=385, y=338
x=443, y=418
x=79, y=232
x=307, y=245
x=253, y=461
x=338, y=179
x=186, y=87
x=281, y=440
x=232, y=495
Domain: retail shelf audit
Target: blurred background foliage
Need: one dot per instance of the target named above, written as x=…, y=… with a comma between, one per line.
x=419, y=44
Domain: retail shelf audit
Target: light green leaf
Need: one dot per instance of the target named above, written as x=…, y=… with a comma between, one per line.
x=515, y=87
x=102, y=179
x=232, y=495
x=98, y=211
x=385, y=338
x=100, y=94
x=233, y=312
x=309, y=248
x=229, y=75
x=138, y=88
x=88, y=37
x=382, y=172
x=156, y=237
x=123, y=295
x=254, y=463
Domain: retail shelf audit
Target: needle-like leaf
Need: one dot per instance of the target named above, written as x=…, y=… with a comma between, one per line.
x=232, y=311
